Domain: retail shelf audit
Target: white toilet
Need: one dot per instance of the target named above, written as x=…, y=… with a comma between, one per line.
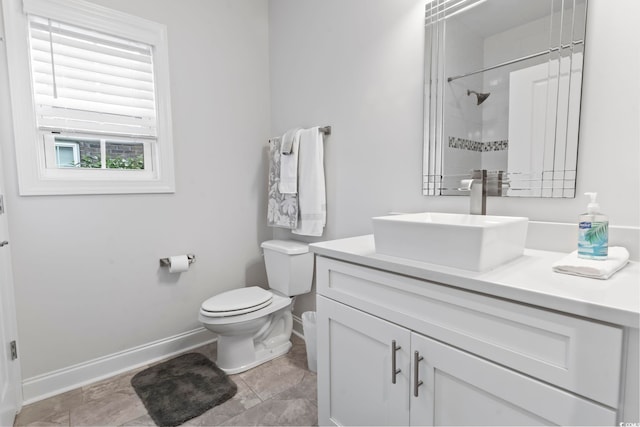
x=253, y=324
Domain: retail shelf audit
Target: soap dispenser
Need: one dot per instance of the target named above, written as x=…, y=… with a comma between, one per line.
x=593, y=232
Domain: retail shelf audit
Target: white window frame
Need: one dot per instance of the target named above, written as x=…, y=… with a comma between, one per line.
x=34, y=178
x=51, y=152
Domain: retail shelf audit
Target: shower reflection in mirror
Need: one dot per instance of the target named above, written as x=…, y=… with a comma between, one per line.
x=481, y=97
x=503, y=85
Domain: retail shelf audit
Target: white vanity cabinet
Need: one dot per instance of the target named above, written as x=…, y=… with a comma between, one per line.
x=398, y=350
x=356, y=362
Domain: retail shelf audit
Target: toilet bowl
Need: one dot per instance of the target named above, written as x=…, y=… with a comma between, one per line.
x=254, y=324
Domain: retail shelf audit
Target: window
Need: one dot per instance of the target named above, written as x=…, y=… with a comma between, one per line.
x=100, y=120
x=67, y=154
x=95, y=153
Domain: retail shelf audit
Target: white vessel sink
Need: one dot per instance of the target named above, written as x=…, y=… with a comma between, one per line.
x=471, y=242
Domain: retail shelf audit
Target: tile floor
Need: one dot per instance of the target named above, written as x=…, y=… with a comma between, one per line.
x=281, y=392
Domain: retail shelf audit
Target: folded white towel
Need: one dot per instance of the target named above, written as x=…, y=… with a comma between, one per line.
x=289, y=164
x=596, y=269
x=312, y=197
x=287, y=141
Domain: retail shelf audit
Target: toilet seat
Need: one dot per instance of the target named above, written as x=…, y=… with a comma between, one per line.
x=237, y=302
x=278, y=303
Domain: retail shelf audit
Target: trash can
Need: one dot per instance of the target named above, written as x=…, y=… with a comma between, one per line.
x=310, y=339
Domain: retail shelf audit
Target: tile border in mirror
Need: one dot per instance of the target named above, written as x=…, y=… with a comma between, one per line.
x=470, y=145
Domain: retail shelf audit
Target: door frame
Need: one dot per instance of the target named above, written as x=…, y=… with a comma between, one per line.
x=8, y=319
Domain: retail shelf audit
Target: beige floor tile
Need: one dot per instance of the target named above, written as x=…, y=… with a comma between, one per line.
x=273, y=377
x=143, y=421
x=279, y=392
x=274, y=412
x=118, y=384
x=305, y=389
x=49, y=407
x=112, y=410
x=298, y=353
x=245, y=395
x=53, y=420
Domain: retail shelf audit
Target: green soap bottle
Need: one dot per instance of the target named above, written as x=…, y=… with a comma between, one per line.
x=593, y=232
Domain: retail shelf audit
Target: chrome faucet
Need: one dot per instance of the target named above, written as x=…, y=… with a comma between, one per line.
x=477, y=187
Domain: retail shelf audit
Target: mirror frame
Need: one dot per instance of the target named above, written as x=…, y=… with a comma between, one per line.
x=553, y=173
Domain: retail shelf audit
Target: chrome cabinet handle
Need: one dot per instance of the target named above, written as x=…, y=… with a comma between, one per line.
x=394, y=370
x=4, y=243
x=416, y=381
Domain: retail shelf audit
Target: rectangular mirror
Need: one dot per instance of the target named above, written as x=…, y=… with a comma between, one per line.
x=503, y=82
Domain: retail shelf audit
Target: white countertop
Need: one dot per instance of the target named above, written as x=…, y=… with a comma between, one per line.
x=528, y=279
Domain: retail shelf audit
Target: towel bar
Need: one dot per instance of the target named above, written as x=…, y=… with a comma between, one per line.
x=326, y=130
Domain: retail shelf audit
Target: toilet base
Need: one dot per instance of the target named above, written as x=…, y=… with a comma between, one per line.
x=248, y=340
x=230, y=366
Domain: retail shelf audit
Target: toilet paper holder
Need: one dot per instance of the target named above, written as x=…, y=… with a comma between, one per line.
x=164, y=262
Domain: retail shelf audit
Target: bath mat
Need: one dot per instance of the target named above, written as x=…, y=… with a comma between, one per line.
x=182, y=388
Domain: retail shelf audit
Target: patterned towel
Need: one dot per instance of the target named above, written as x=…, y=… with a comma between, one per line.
x=282, y=209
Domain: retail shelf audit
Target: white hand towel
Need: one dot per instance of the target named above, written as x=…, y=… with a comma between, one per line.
x=596, y=269
x=287, y=141
x=289, y=165
x=312, y=197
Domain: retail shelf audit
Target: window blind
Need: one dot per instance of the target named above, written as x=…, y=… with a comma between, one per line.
x=90, y=82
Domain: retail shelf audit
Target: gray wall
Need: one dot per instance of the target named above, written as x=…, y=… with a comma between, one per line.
x=357, y=65
x=85, y=291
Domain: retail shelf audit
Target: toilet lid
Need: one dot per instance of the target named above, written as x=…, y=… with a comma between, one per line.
x=237, y=301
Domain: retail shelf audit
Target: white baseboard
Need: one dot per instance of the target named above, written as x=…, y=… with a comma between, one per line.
x=62, y=380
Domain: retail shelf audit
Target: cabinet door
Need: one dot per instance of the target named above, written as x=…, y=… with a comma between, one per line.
x=355, y=360
x=461, y=389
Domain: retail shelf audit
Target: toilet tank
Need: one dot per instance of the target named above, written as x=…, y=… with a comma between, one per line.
x=289, y=266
